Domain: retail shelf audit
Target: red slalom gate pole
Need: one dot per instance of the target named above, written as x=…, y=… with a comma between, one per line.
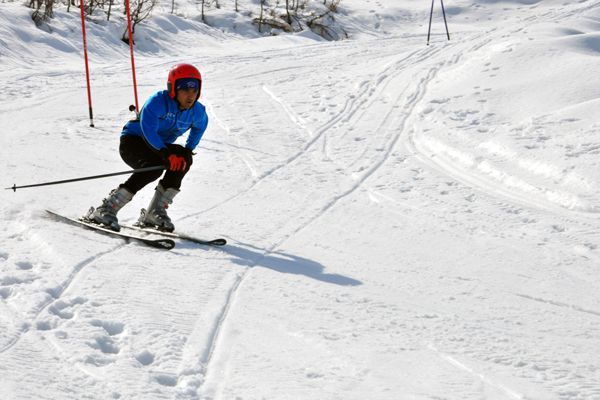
x=130, y=31
x=87, y=68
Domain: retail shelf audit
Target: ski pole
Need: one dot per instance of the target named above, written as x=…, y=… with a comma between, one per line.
x=146, y=169
x=430, y=18
x=445, y=22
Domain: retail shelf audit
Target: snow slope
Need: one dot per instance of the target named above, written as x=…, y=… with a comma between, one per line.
x=405, y=221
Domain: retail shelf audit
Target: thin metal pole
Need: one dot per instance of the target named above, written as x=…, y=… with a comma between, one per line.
x=87, y=69
x=430, y=18
x=445, y=23
x=146, y=169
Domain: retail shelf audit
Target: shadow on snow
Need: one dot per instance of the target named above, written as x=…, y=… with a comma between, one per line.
x=251, y=256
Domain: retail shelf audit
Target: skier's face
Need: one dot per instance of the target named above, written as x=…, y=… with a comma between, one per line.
x=186, y=98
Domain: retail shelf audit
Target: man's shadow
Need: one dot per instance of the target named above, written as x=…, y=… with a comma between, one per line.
x=251, y=256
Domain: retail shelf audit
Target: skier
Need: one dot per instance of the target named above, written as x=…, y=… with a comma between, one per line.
x=148, y=141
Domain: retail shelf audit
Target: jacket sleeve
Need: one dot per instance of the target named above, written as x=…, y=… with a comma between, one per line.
x=149, y=120
x=198, y=128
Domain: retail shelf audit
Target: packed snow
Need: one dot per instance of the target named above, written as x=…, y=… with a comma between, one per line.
x=404, y=221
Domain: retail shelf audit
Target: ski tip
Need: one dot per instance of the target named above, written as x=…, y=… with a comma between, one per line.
x=218, y=242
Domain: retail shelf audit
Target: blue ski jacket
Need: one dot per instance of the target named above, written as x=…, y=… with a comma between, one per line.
x=161, y=122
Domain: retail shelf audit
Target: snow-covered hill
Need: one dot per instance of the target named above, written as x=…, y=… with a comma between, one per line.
x=404, y=221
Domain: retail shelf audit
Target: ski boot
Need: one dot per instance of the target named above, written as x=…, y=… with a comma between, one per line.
x=156, y=215
x=106, y=214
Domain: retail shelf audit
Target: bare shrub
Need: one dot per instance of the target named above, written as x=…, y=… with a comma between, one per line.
x=140, y=11
x=43, y=11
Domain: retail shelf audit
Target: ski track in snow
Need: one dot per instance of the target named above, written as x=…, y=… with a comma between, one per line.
x=55, y=308
x=511, y=394
x=466, y=175
x=351, y=107
x=357, y=101
x=190, y=367
x=440, y=162
x=53, y=303
x=411, y=105
x=394, y=121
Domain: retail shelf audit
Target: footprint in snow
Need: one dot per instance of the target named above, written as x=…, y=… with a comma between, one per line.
x=9, y=280
x=145, y=358
x=45, y=325
x=61, y=310
x=112, y=328
x=166, y=380
x=24, y=265
x=97, y=360
x=64, y=309
x=5, y=293
x=104, y=344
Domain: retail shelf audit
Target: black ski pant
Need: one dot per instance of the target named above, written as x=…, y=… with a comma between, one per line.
x=138, y=154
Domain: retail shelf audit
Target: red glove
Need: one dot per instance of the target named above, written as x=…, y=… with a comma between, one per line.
x=176, y=163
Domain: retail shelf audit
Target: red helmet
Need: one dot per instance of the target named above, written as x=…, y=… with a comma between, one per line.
x=182, y=71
